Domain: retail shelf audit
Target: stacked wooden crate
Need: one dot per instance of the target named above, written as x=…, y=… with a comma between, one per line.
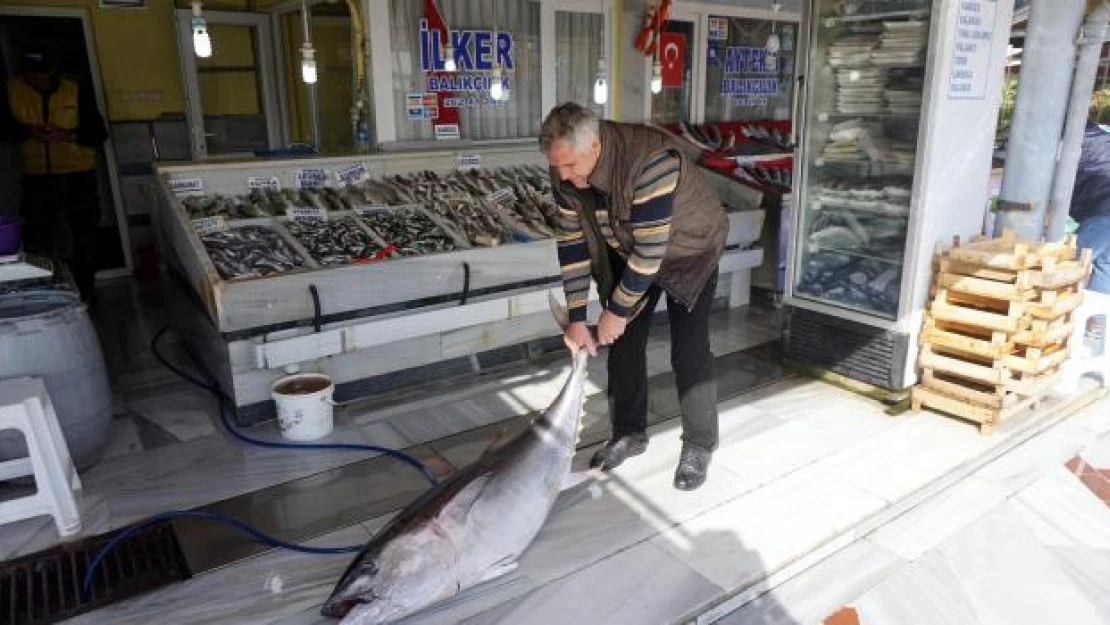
x=997, y=329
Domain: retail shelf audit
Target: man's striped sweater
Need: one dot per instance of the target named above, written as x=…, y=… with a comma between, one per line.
x=652, y=208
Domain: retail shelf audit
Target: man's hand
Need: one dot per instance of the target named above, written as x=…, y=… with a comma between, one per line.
x=577, y=336
x=610, y=328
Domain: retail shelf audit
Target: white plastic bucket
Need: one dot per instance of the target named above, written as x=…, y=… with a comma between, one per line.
x=304, y=406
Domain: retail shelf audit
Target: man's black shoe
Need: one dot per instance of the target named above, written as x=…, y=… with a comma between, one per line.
x=692, y=467
x=616, y=452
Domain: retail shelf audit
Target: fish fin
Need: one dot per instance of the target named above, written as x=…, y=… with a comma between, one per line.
x=499, y=569
x=459, y=507
x=562, y=317
x=574, y=478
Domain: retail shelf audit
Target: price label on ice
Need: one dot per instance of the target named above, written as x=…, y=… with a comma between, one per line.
x=264, y=183
x=208, y=225
x=467, y=162
x=353, y=174
x=300, y=212
x=311, y=178
x=187, y=186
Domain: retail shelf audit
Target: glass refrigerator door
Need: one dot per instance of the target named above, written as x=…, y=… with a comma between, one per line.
x=862, y=112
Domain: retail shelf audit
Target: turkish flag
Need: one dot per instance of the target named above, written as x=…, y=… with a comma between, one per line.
x=443, y=115
x=672, y=56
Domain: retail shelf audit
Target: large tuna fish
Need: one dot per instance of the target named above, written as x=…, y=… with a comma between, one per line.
x=471, y=527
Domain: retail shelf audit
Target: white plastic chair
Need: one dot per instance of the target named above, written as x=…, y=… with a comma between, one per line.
x=1080, y=361
x=25, y=406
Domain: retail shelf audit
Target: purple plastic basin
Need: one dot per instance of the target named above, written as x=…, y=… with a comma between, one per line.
x=10, y=236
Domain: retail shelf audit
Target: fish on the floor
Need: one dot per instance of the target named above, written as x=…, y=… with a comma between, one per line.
x=470, y=528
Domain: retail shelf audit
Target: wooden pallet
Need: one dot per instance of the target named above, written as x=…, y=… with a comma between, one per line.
x=1008, y=254
x=996, y=331
x=1063, y=266
x=1008, y=374
x=1043, y=334
x=975, y=312
x=986, y=416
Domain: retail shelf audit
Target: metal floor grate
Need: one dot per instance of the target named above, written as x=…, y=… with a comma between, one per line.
x=45, y=587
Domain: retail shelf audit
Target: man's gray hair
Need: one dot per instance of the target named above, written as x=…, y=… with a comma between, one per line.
x=570, y=122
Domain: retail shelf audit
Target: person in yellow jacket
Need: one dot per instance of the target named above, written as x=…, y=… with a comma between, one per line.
x=58, y=128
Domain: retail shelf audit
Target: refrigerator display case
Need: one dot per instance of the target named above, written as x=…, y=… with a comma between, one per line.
x=897, y=115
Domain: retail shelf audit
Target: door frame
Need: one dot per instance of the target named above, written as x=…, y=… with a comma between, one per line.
x=194, y=113
x=109, y=144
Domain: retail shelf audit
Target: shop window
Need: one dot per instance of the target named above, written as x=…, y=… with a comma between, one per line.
x=674, y=102
x=330, y=114
x=231, y=92
x=741, y=85
x=579, y=45
x=431, y=103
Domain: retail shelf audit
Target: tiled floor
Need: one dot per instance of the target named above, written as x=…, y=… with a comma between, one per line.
x=798, y=502
x=1023, y=540
x=646, y=553
x=171, y=452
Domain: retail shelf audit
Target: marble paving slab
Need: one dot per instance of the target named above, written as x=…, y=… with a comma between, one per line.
x=187, y=415
x=1012, y=578
x=841, y=423
x=909, y=456
x=1097, y=454
x=1028, y=462
x=1061, y=512
x=1095, y=418
x=821, y=590
x=924, y=527
x=123, y=437
x=31, y=535
x=1088, y=571
x=305, y=508
x=243, y=593
x=924, y=593
x=643, y=584
x=739, y=543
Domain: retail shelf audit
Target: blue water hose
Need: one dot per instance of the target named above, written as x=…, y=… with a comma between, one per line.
x=223, y=401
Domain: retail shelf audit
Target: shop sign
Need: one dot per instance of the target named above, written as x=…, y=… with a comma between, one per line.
x=352, y=174
x=446, y=132
x=187, y=186
x=749, y=76
x=718, y=29
x=310, y=178
x=305, y=213
x=971, y=63
x=208, y=225
x=263, y=183
x=476, y=53
x=467, y=162
x=422, y=106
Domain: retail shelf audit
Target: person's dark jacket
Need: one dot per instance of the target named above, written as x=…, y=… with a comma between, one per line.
x=1091, y=197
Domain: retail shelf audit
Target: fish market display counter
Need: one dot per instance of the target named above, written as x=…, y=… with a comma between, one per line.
x=381, y=271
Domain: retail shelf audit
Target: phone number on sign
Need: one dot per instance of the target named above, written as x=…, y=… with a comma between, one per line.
x=470, y=102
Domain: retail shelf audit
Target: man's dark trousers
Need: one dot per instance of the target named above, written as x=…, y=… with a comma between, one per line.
x=691, y=359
